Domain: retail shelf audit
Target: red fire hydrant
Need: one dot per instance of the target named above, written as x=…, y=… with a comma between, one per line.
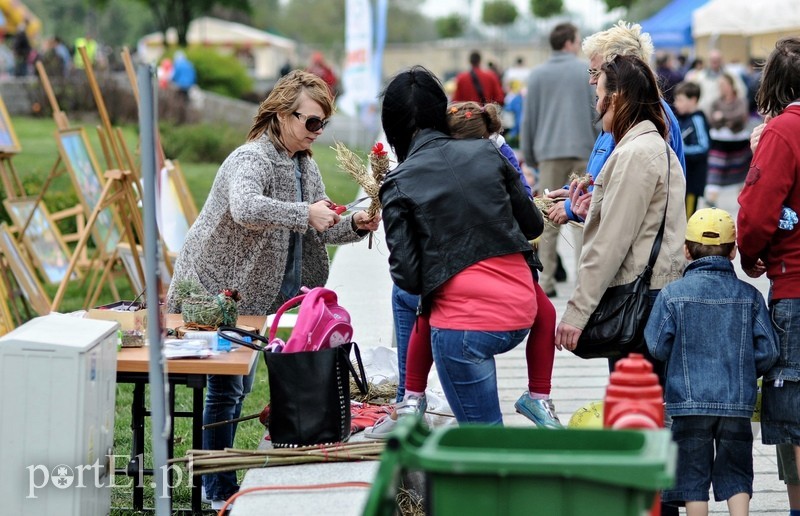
x=634, y=400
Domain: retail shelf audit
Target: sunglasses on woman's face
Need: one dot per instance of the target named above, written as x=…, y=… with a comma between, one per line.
x=313, y=123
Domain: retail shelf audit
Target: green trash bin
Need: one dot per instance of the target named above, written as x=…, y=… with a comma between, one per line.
x=480, y=469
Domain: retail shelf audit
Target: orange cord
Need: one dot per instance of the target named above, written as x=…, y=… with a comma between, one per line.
x=308, y=487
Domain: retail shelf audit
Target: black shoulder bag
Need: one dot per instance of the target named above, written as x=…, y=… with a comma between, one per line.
x=309, y=391
x=616, y=327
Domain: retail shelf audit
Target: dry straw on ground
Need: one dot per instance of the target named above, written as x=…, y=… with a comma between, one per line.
x=410, y=503
x=382, y=394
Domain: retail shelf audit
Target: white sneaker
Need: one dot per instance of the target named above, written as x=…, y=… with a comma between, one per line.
x=411, y=405
x=219, y=504
x=215, y=504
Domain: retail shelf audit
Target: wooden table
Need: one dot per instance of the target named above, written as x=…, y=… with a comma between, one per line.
x=133, y=367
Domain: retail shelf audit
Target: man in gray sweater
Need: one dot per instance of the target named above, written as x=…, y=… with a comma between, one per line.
x=558, y=130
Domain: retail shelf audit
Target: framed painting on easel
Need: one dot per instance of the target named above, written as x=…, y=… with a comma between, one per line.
x=23, y=272
x=9, y=144
x=73, y=145
x=42, y=238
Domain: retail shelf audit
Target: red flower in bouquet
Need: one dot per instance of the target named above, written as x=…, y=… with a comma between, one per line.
x=377, y=149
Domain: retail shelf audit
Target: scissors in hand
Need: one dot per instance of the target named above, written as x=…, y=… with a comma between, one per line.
x=341, y=208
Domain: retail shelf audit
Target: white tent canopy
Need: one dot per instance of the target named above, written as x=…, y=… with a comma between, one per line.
x=269, y=51
x=207, y=30
x=746, y=17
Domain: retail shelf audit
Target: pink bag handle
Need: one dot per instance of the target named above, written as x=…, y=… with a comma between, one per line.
x=273, y=329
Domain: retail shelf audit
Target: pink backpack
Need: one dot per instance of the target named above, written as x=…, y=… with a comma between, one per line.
x=321, y=322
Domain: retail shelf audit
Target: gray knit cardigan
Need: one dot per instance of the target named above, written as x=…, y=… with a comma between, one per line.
x=240, y=240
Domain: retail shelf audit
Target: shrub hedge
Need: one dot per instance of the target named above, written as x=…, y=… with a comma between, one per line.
x=223, y=74
x=199, y=143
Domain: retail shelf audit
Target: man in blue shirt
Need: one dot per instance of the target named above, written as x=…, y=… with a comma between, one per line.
x=184, y=77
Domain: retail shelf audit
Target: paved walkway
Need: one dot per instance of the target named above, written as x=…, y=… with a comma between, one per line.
x=360, y=276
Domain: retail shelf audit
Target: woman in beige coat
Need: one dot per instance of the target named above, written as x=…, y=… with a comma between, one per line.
x=630, y=196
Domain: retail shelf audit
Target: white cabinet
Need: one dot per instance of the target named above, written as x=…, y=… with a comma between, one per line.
x=57, y=395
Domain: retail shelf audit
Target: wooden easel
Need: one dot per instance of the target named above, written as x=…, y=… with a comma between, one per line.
x=110, y=137
x=129, y=190
x=62, y=123
x=97, y=277
x=58, y=168
x=116, y=152
x=8, y=175
x=7, y=320
x=12, y=294
x=174, y=171
x=118, y=192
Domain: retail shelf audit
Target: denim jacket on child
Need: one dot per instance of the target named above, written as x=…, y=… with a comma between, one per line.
x=715, y=335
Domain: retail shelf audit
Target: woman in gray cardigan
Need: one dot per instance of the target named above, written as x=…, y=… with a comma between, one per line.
x=263, y=231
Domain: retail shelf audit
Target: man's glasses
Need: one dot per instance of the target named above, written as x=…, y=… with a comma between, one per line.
x=594, y=73
x=313, y=123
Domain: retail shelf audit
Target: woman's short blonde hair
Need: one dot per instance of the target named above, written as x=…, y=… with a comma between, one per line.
x=284, y=99
x=623, y=39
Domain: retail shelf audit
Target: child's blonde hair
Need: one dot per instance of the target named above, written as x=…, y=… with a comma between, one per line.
x=471, y=120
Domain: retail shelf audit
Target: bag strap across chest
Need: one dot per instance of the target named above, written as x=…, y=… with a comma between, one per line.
x=648, y=271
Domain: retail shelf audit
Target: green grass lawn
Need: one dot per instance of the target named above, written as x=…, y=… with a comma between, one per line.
x=33, y=165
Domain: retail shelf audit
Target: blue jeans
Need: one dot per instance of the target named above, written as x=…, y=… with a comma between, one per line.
x=780, y=405
x=787, y=464
x=404, y=309
x=712, y=451
x=224, y=397
x=465, y=363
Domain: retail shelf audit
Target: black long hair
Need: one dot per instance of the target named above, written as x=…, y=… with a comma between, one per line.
x=413, y=100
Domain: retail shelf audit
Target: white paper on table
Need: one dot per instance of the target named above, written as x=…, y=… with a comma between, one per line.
x=186, y=348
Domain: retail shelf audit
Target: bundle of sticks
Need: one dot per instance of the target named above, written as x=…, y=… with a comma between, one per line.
x=201, y=462
x=543, y=203
x=370, y=183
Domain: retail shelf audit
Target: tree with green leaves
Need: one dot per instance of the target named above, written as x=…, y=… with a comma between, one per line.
x=451, y=26
x=179, y=13
x=120, y=22
x=499, y=12
x=546, y=8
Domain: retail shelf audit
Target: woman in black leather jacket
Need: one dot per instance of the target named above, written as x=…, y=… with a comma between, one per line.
x=457, y=223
